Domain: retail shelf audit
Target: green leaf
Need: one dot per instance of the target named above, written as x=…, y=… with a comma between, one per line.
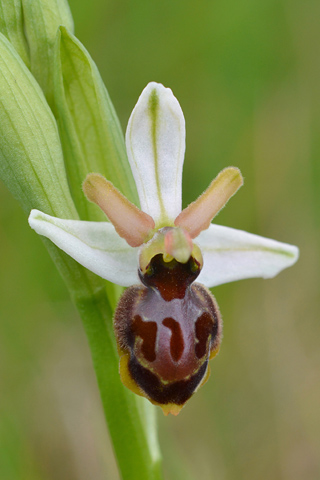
x=42, y=19
x=31, y=161
x=89, y=128
x=11, y=25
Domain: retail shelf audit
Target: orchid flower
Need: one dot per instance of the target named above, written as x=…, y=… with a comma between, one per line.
x=167, y=325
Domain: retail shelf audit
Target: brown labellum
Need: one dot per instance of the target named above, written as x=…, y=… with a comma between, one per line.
x=167, y=330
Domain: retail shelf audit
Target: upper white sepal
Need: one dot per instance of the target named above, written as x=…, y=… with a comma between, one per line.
x=230, y=255
x=95, y=245
x=155, y=140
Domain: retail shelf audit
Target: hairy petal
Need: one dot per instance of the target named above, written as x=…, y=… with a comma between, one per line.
x=155, y=140
x=230, y=254
x=95, y=245
x=130, y=223
x=198, y=215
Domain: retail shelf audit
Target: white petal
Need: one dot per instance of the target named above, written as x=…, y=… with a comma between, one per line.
x=95, y=245
x=155, y=140
x=230, y=255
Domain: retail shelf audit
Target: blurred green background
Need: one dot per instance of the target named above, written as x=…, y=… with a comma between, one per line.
x=247, y=76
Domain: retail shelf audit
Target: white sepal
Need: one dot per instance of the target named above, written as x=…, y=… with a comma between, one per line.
x=95, y=245
x=230, y=254
x=155, y=141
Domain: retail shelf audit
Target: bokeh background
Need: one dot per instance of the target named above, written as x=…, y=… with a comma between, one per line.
x=247, y=75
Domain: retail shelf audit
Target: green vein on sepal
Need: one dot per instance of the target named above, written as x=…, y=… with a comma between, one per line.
x=276, y=251
x=154, y=107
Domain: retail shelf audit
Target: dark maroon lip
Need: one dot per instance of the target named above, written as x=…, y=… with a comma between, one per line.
x=169, y=326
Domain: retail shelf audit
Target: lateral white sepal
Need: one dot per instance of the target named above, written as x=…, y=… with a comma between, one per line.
x=230, y=255
x=95, y=245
